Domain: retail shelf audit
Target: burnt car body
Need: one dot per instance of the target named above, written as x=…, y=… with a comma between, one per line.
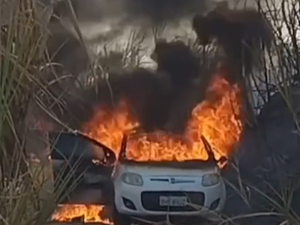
x=82, y=168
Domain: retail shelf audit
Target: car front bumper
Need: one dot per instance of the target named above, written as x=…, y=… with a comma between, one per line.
x=142, y=202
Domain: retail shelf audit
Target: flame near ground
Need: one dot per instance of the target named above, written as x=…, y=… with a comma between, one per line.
x=218, y=119
x=90, y=213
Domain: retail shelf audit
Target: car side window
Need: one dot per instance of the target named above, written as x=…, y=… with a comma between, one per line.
x=66, y=146
x=69, y=146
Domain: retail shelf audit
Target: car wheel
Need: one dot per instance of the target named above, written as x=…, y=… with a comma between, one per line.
x=120, y=219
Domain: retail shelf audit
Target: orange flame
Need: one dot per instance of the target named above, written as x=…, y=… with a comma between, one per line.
x=90, y=213
x=108, y=127
x=218, y=119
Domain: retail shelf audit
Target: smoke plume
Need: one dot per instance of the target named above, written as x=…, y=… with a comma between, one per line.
x=158, y=11
x=154, y=96
x=155, y=10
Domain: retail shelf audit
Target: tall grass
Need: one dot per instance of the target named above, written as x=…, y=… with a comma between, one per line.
x=21, y=48
x=22, y=56
x=279, y=73
x=24, y=198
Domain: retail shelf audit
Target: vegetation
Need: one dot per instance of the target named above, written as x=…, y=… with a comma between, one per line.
x=25, y=196
x=24, y=187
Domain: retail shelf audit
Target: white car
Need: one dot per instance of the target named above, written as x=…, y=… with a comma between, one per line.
x=155, y=191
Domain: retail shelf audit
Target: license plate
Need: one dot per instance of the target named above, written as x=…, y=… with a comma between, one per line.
x=172, y=201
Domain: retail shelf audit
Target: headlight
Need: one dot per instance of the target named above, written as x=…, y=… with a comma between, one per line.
x=132, y=179
x=210, y=179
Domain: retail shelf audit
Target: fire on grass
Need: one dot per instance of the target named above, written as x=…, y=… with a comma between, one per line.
x=88, y=213
x=218, y=119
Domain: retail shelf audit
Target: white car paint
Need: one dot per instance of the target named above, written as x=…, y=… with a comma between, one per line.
x=132, y=180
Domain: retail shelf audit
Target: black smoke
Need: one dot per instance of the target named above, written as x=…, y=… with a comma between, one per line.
x=158, y=11
x=155, y=11
x=241, y=34
x=154, y=96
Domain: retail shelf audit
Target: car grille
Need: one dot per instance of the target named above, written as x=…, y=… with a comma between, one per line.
x=150, y=200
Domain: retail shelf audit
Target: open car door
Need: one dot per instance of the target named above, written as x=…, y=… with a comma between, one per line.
x=82, y=169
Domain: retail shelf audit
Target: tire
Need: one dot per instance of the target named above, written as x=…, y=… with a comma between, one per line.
x=120, y=219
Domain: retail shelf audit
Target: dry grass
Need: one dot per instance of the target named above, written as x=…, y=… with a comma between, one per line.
x=22, y=47
x=24, y=195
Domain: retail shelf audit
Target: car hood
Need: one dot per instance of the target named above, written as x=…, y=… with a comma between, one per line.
x=164, y=171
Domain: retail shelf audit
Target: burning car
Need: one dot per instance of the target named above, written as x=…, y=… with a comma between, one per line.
x=163, y=155
x=157, y=189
